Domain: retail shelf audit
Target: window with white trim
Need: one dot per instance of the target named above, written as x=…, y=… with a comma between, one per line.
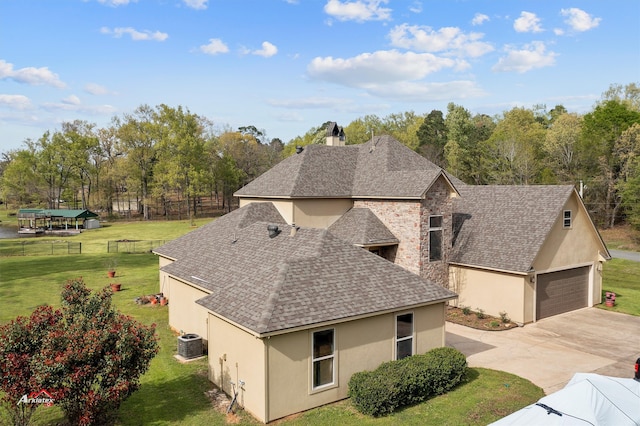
x=435, y=238
x=566, y=219
x=323, y=358
x=404, y=335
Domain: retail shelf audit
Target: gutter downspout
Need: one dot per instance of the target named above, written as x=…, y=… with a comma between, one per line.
x=267, y=417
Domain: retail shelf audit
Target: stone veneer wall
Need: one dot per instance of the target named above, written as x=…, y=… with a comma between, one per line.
x=408, y=220
x=437, y=202
x=402, y=218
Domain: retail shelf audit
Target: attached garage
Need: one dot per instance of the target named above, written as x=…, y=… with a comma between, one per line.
x=562, y=291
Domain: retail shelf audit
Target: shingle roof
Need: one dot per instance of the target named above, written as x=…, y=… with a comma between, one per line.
x=360, y=226
x=272, y=284
x=382, y=167
x=504, y=227
x=226, y=227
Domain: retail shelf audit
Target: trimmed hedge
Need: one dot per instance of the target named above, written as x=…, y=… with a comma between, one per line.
x=408, y=381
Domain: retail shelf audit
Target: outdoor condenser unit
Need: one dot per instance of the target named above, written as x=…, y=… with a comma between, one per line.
x=189, y=345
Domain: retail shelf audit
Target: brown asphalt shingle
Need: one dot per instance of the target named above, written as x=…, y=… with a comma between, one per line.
x=271, y=284
x=504, y=227
x=360, y=226
x=197, y=241
x=382, y=167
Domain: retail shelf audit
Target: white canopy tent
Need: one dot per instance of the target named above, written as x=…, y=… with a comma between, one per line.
x=588, y=399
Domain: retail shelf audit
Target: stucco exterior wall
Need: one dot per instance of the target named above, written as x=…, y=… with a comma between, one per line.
x=494, y=292
x=312, y=213
x=403, y=218
x=234, y=355
x=579, y=245
x=284, y=207
x=278, y=369
x=319, y=213
x=163, y=276
x=184, y=313
x=360, y=345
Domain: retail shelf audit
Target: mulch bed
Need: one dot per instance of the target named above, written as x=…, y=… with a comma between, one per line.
x=478, y=320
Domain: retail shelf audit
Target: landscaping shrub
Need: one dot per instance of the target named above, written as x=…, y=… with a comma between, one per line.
x=408, y=381
x=86, y=356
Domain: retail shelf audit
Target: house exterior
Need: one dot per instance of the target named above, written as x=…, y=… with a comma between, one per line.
x=342, y=257
x=528, y=251
x=290, y=312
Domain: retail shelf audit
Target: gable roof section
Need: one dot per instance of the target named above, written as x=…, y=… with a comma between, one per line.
x=361, y=227
x=504, y=226
x=382, y=167
x=296, y=279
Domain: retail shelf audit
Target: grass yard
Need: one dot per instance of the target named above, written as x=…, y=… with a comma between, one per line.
x=174, y=394
x=623, y=278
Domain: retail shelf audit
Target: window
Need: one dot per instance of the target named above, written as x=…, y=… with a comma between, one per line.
x=566, y=223
x=435, y=238
x=404, y=335
x=323, y=358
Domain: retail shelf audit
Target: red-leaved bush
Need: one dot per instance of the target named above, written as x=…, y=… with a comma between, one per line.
x=88, y=356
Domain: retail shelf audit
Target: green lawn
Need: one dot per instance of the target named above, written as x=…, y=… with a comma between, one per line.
x=623, y=278
x=174, y=394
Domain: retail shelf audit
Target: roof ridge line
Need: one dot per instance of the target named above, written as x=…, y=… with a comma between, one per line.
x=271, y=302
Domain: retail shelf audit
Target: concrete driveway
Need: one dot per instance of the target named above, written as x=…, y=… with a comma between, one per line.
x=550, y=351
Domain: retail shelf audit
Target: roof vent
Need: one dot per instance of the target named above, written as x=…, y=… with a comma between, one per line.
x=273, y=230
x=299, y=149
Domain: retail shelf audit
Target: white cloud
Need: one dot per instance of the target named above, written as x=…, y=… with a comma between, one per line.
x=307, y=103
x=479, y=19
x=20, y=102
x=116, y=3
x=425, y=91
x=579, y=20
x=135, y=34
x=95, y=89
x=73, y=104
x=71, y=100
x=196, y=4
x=416, y=7
x=267, y=50
x=558, y=31
x=30, y=75
x=214, y=47
x=448, y=39
x=527, y=23
x=290, y=117
x=533, y=56
x=381, y=67
x=359, y=10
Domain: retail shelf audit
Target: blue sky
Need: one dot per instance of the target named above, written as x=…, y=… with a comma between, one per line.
x=285, y=66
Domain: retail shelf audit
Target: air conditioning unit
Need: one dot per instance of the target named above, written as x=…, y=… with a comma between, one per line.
x=189, y=346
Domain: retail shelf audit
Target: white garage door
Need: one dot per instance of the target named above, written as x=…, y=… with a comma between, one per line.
x=562, y=291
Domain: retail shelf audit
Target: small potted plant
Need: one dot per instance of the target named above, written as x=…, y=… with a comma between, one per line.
x=115, y=287
x=610, y=298
x=111, y=267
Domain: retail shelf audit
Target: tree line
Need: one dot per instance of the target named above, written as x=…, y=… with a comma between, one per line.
x=168, y=159
x=164, y=159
